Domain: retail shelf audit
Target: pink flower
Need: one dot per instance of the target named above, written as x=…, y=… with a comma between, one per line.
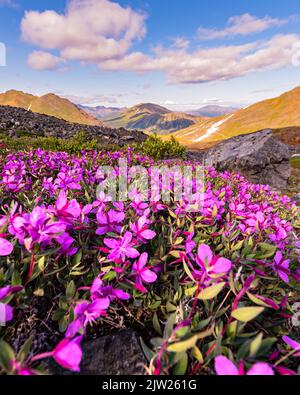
x=211, y=266
x=141, y=231
x=225, y=367
x=121, y=248
x=99, y=291
x=143, y=273
x=109, y=222
x=68, y=353
x=282, y=266
x=67, y=210
x=6, y=247
x=86, y=313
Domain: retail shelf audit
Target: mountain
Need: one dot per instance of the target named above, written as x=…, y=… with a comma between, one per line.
x=48, y=104
x=102, y=112
x=213, y=111
x=277, y=113
x=152, y=118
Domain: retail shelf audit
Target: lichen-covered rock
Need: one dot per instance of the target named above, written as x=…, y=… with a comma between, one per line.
x=116, y=354
x=260, y=157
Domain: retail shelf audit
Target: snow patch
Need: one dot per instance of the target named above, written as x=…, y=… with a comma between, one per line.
x=213, y=129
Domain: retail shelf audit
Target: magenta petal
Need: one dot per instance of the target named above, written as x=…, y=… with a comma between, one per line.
x=292, y=343
x=222, y=265
x=148, y=234
x=260, y=369
x=68, y=354
x=148, y=276
x=224, y=367
x=111, y=243
x=132, y=253
x=205, y=253
x=61, y=200
x=142, y=261
x=6, y=247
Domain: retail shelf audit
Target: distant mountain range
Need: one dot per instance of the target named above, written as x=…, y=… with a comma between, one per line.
x=213, y=111
x=280, y=112
x=152, y=118
x=48, y=104
x=197, y=129
x=102, y=112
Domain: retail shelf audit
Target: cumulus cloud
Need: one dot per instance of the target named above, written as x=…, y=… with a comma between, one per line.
x=211, y=64
x=88, y=31
x=40, y=60
x=242, y=25
x=103, y=32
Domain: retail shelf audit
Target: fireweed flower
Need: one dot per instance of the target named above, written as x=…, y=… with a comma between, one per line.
x=210, y=266
x=141, y=231
x=143, y=273
x=68, y=353
x=225, y=367
x=121, y=248
x=66, y=211
x=86, y=313
x=281, y=266
x=109, y=222
x=99, y=290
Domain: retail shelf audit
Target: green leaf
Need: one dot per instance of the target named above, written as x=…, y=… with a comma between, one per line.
x=183, y=345
x=41, y=263
x=197, y=354
x=156, y=324
x=71, y=290
x=255, y=344
x=169, y=326
x=246, y=314
x=6, y=355
x=187, y=270
x=257, y=301
x=211, y=292
x=238, y=246
x=149, y=354
x=24, y=351
x=181, y=366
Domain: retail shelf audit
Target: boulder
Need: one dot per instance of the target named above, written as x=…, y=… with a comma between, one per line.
x=116, y=354
x=259, y=157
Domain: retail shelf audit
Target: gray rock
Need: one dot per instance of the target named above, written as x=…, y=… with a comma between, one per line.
x=14, y=120
x=116, y=354
x=259, y=157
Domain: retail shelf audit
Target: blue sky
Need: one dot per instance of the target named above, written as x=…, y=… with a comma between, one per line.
x=182, y=54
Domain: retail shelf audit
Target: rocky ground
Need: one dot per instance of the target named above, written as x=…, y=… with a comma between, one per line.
x=14, y=120
x=261, y=157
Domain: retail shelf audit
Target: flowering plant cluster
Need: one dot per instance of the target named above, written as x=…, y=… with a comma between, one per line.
x=214, y=289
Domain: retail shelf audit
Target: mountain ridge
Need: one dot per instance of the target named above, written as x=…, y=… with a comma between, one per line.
x=48, y=104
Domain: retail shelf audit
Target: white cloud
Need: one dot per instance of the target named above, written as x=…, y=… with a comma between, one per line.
x=40, y=60
x=242, y=25
x=103, y=32
x=211, y=64
x=88, y=31
x=181, y=43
